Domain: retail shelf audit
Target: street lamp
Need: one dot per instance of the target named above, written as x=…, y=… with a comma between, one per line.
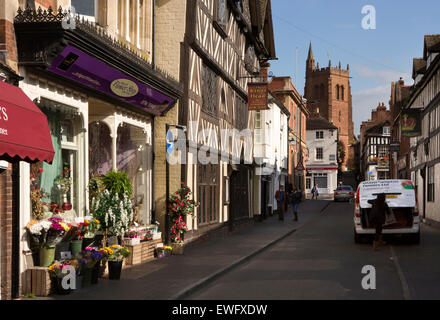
x=167, y=177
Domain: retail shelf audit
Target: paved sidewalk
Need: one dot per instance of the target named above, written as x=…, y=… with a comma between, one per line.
x=177, y=276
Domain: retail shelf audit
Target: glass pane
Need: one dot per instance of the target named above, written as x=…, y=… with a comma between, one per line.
x=100, y=149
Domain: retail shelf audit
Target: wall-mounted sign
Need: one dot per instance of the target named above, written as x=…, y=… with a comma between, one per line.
x=76, y=65
x=410, y=123
x=257, y=96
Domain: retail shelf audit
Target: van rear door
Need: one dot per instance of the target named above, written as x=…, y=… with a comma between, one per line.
x=399, y=193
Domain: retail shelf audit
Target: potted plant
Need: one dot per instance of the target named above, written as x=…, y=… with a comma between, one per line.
x=57, y=275
x=93, y=228
x=160, y=252
x=87, y=260
x=168, y=251
x=64, y=182
x=47, y=233
x=76, y=243
x=116, y=255
x=131, y=238
x=113, y=207
x=180, y=205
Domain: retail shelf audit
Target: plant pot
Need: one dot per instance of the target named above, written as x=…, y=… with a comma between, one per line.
x=59, y=286
x=87, y=277
x=47, y=255
x=87, y=242
x=78, y=282
x=167, y=253
x=62, y=246
x=177, y=248
x=76, y=246
x=160, y=255
x=114, y=270
x=95, y=274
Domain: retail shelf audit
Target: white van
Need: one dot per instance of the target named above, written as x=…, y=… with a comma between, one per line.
x=400, y=197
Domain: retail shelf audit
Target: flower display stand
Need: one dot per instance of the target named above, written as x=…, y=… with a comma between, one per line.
x=177, y=248
x=135, y=256
x=38, y=282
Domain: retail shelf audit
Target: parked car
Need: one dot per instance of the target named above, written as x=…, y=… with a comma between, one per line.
x=401, y=199
x=344, y=193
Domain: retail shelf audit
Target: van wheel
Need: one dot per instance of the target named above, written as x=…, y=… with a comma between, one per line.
x=357, y=237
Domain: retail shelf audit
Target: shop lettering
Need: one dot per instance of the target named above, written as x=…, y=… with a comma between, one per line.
x=3, y=131
x=3, y=114
x=124, y=88
x=182, y=310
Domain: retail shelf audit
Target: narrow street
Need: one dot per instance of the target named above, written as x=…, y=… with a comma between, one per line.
x=321, y=261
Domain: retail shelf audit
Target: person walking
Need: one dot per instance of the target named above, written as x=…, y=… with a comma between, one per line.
x=297, y=195
x=280, y=196
x=315, y=192
x=378, y=217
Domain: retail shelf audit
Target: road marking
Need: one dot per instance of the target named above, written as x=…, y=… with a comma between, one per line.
x=405, y=287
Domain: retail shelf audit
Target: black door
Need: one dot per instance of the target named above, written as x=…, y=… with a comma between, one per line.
x=239, y=195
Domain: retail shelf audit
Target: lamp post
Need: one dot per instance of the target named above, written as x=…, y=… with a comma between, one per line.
x=168, y=151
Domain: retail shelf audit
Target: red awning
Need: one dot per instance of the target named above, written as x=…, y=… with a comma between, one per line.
x=24, y=132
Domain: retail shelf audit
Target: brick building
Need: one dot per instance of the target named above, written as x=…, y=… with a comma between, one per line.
x=399, y=162
x=328, y=92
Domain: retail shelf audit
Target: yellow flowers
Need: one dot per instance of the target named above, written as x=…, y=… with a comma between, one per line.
x=168, y=248
x=86, y=221
x=65, y=226
x=97, y=221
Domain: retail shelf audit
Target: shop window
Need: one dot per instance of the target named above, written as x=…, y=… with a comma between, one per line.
x=59, y=180
x=132, y=159
x=208, y=193
x=100, y=149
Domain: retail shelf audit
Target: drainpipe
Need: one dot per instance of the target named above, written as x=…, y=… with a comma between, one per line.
x=153, y=60
x=153, y=170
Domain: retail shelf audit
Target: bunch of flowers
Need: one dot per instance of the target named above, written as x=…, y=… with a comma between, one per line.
x=80, y=230
x=57, y=267
x=93, y=227
x=89, y=257
x=178, y=230
x=181, y=205
x=37, y=193
x=116, y=252
x=115, y=214
x=132, y=235
x=48, y=232
x=64, y=180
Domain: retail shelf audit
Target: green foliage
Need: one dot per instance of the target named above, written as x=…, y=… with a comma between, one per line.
x=117, y=182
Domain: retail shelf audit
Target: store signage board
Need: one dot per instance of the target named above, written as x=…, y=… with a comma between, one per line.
x=257, y=96
x=76, y=65
x=410, y=123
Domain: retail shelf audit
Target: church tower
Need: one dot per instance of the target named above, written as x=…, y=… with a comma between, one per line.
x=328, y=92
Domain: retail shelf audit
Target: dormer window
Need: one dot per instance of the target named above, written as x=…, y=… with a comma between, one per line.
x=386, y=131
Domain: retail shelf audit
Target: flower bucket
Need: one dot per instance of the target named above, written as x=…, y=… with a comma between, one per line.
x=87, y=277
x=160, y=255
x=47, y=255
x=63, y=246
x=59, y=286
x=177, y=248
x=76, y=246
x=114, y=270
x=95, y=274
x=78, y=282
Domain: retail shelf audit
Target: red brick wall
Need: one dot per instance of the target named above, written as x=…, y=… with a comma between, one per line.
x=7, y=39
x=6, y=209
x=46, y=3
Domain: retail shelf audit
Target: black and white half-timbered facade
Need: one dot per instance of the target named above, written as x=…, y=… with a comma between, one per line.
x=225, y=42
x=425, y=149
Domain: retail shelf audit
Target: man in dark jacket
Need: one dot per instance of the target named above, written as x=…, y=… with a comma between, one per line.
x=296, y=199
x=378, y=217
x=281, y=198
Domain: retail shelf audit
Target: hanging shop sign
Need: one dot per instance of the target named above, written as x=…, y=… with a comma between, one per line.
x=411, y=123
x=257, y=96
x=76, y=65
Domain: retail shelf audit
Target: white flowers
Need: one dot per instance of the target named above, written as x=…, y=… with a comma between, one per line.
x=36, y=228
x=116, y=214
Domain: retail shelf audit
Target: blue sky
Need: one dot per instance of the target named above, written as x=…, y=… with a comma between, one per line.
x=376, y=57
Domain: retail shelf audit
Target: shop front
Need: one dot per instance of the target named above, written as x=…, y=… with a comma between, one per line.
x=325, y=178
x=24, y=138
x=100, y=100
